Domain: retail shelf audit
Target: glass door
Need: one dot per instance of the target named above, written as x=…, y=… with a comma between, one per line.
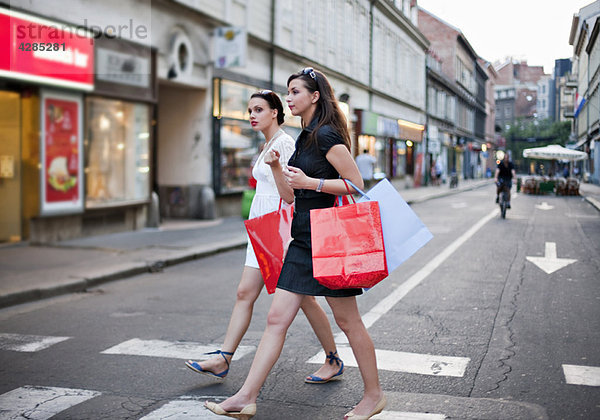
x=10, y=167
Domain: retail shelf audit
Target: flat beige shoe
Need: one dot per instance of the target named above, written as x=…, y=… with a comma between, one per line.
x=378, y=409
x=247, y=412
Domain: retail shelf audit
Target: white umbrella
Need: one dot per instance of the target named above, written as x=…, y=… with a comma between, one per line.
x=554, y=152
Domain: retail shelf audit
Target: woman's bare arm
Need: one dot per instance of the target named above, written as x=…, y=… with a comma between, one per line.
x=342, y=161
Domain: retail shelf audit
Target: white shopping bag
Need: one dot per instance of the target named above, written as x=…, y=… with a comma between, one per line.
x=403, y=232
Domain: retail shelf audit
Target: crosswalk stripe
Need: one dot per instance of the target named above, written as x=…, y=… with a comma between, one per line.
x=40, y=403
x=185, y=407
x=405, y=415
x=424, y=364
x=582, y=375
x=28, y=343
x=171, y=349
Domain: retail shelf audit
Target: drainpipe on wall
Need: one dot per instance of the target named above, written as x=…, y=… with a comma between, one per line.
x=272, y=58
x=426, y=162
x=371, y=21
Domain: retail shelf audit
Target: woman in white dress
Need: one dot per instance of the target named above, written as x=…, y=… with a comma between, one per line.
x=266, y=115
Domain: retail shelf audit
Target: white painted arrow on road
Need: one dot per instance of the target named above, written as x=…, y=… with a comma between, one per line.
x=550, y=262
x=544, y=206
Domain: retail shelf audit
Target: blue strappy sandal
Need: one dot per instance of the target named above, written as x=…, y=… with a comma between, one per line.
x=332, y=357
x=195, y=366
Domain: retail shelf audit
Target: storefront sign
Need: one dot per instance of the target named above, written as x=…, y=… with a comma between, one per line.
x=377, y=125
x=411, y=131
x=125, y=69
x=434, y=146
x=387, y=127
x=369, y=123
x=61, y=153
x=43, y=51
x=231, y=45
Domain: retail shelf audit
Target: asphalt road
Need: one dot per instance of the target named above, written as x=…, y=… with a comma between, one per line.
x=468, y=328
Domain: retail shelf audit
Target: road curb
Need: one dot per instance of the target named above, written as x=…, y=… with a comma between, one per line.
x=595, y=203
x=449, y=191
x=128, y=270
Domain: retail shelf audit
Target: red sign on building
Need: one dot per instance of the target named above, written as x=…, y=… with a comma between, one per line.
x=61, y=153
x=47, y=52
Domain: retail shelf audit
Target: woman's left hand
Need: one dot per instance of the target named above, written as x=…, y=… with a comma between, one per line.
x=272, y=158
x=296, y=178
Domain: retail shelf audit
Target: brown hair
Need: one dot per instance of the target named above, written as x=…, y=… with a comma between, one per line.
x=273, y=101
x=328, y=111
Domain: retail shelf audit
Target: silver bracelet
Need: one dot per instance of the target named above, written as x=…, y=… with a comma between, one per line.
x=320, y=187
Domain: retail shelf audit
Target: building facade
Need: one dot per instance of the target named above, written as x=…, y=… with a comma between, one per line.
x=163, y=121
x=441, y=116
x=585, y=29
x=78, y=106
x=492, y=136
x=517, y=91
x=458, y=64
x=565, y=96
x=562, y=68
x=544, y=104
x=388, y=107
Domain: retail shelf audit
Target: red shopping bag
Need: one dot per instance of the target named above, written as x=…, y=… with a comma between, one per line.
x=270, y=235
x=347, y=246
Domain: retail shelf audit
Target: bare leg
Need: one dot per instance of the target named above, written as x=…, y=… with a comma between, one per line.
x=348, y=319
x=283, y=310
x=320, y=324
x=248, y=291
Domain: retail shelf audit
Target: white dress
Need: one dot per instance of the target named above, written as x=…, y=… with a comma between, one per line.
x=266, y=199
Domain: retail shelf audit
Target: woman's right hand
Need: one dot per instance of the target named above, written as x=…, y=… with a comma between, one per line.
x=272, y=158
x=296, y=178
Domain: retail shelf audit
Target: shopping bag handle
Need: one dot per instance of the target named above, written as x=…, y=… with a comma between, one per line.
x=358, y=190
x=340, y=198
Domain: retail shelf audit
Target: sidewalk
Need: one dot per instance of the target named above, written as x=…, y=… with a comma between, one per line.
x=29, y=273
x=591, y=192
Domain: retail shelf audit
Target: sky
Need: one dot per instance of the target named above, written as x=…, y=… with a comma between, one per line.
x=533, y=30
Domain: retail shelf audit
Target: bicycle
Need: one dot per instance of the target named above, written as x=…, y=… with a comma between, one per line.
x=503, y=200
x=453, y=180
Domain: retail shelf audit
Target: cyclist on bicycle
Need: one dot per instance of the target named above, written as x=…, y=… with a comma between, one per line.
x=505, y=172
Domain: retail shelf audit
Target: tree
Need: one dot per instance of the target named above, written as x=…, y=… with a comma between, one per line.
x=524, y=134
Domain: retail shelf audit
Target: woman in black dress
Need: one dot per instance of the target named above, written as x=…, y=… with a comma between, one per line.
x=312, y=181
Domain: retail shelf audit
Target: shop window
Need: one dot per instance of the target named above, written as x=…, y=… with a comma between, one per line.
x=239, y=144
x=117, y=152
x=381, y=153
x=400, y=158
x=239, y=149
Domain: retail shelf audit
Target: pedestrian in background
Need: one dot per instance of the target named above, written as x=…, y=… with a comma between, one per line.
x=321, y=157
x=266, y=115
x=436, y=172
x=505, y=172
x=366, y=166
x=439, y=170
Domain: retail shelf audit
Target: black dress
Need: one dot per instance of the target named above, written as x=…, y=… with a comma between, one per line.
x=297, y=272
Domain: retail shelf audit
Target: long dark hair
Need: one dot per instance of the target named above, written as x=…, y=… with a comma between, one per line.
x=273, y=101
x=328, y=111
